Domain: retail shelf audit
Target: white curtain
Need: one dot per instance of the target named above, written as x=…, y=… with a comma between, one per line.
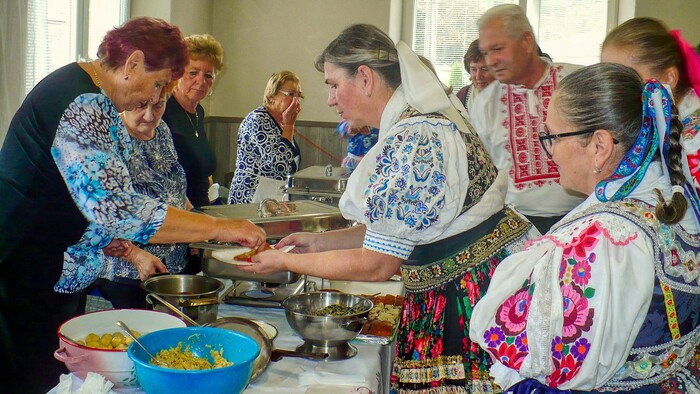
x=13, y=43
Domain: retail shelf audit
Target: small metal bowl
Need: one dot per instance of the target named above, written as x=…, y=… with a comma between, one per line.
x=326, y=331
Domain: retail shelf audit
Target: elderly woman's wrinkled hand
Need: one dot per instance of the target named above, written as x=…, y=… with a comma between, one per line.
x=243, y=232
x=145, y=263
x=118, y=248
x=289, y=116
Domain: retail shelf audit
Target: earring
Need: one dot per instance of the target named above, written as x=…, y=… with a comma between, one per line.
x=211, y=91
x=597, y=170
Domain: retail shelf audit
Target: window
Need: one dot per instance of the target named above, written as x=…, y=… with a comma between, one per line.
x=570, y=31
x=64, y=31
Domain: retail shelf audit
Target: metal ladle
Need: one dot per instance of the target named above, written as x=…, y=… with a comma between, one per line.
x=131, y=334
x=369, y=297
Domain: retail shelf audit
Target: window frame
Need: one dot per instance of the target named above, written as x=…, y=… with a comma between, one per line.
x=532, y=9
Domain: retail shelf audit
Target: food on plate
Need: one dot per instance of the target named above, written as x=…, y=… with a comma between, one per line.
x=384, y=316
x=116, y=340
x=247, y=255
x=179, y=358
x=337, y=310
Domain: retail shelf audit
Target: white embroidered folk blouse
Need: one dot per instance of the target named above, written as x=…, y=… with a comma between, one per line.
x=508, y=119
x=411, y=186
x=582, y=307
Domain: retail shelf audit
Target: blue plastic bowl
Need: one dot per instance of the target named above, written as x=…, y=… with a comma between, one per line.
x=237, y=348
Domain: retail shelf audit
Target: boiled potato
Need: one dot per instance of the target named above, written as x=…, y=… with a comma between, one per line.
x=116, y=340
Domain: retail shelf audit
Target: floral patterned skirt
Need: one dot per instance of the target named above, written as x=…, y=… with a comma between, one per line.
x=444, y=281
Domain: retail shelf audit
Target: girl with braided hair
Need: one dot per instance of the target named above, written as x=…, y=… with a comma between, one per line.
x=646, y=45
x=609, y=298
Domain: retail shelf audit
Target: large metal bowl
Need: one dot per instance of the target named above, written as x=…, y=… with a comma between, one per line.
x=326, y=331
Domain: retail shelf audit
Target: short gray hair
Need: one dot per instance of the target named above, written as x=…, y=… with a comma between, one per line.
x=513, y=17
x=363, y=44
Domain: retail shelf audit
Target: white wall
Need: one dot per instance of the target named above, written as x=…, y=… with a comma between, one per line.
x=264, y=36
x=677, y=14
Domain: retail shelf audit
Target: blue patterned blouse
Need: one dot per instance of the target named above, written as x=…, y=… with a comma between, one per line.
x=94, y=164
x=262, y=152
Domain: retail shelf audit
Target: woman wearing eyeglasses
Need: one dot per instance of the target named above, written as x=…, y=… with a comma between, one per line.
x=267, y=151
x=609, y=298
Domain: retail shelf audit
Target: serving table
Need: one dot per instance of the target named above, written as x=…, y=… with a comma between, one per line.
x=367, y=372
x=360, y=374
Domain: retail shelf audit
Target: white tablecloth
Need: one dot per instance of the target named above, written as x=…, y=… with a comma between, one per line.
x=360, y=374
x=367, y=372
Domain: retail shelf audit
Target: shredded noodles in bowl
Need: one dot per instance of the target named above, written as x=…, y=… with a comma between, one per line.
x=179, y=358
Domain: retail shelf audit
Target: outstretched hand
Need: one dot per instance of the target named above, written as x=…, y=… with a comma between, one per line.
x=243, y=232
x=303, y=242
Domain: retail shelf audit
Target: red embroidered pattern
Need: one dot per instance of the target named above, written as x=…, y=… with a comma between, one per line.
x=531, y=166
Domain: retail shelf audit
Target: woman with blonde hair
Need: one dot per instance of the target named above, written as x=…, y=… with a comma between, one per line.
x=184, y=115
x=267, y=151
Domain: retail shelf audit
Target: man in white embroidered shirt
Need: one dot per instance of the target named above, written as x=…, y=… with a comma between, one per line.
x=509, y=114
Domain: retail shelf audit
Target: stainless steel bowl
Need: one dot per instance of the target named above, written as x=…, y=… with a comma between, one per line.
x=325, y=331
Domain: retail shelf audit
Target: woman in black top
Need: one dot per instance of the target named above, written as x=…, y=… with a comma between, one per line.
x=185, y=116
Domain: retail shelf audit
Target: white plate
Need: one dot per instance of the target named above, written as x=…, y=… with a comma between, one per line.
x=228, y=255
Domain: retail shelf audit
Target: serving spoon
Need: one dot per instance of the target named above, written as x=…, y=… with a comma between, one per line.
x=131, y=334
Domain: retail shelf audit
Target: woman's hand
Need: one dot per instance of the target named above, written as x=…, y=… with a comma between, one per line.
x=303, y=243
x=243, y=232
x=267, y=262
x=118, y=248
x=289, y=115
x=145, y=263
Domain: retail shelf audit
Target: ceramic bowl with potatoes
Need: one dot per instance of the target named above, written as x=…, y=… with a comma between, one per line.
x=94, y=343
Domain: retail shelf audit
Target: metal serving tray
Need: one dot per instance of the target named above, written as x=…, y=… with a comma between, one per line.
x=319, y=178
x=290, y=217
x=278, y=219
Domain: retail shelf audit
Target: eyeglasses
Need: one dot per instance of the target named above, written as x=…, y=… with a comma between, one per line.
x=547, y=139
x=298, y=95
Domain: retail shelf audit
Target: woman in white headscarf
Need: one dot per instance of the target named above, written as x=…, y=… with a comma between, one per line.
x=429, y=202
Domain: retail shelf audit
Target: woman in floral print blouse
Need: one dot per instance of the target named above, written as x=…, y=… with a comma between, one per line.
x=609, y=298
x=429, y=202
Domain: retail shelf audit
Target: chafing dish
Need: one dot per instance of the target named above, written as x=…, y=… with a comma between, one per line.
x=317, y=183
x=278, y=219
